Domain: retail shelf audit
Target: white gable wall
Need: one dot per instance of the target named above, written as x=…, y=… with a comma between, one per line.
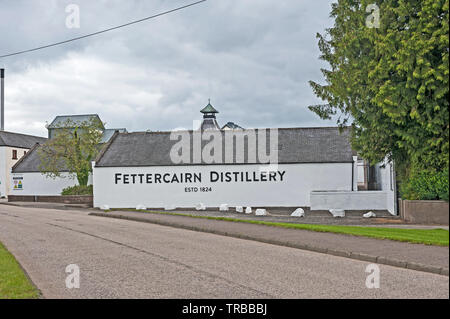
x=36, y=183
x=294, y=190
x=6, y=163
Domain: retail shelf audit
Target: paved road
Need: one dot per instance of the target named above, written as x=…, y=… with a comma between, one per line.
x=126, y=259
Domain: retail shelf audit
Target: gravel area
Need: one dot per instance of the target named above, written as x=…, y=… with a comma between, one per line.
x=282, y=214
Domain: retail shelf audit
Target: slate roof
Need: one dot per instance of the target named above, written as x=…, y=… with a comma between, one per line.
x=76, y=119
x=296, y=145
x=30, y=162
x=232, y=126
x=19, y=140
x=209, y=123
x=108, y=133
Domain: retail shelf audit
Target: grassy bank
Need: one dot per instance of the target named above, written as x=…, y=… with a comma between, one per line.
x=438, y=237
x=14, y=284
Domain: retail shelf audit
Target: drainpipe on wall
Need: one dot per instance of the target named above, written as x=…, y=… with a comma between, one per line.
x=355, y=174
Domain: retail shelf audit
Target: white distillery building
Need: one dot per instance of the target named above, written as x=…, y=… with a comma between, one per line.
x=315, y=167
x=13, y=146
x=26, y=171
x=32, y=181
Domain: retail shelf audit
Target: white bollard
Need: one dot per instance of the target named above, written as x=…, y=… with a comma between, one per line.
x=299, y=212
x=104, y=207
x=200, y=206
x=223, y=208
x=141, y=207
x=170, y=207
x=337, y=212
x=239, y=209
x=261, y=212
x=369, y=215
x=248, y=210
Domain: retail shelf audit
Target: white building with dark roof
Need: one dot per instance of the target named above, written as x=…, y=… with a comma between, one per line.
x=27, y=169
x=13, y=146
x=286, y=167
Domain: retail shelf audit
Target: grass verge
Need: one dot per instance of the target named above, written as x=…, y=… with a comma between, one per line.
x=14, y=284
x=437, y=237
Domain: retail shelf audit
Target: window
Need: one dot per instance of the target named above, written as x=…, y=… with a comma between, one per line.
x=14, y=154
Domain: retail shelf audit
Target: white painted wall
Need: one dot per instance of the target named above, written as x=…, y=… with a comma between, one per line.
x=3, y=172
x=388, y=184
x=294, y=190
x=6, y=163
x=361, y=200
x=39, y=184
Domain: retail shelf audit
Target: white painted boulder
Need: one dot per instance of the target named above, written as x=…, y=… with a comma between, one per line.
x=337, y=212
x=200, y=206
x=239, y=209
x=170, y=207
x=104, y=207
x=369, y=215
x=141, y=207
x=261, y=212
x=299, y=212
x=248, y=210
x=224, y=208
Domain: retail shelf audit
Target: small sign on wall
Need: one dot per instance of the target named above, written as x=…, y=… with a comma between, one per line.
x=17, y=183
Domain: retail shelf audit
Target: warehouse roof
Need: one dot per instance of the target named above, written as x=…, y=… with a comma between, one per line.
x=61, y=120
x=30, y=162
x=108, y=133
x=295, y=145
x=19, y=140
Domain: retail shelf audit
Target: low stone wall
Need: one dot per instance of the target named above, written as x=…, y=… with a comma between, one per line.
x=21, y=198
x=424, y=211
x=82, y=199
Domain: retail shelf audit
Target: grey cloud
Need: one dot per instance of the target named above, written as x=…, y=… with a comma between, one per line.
x=253, y=58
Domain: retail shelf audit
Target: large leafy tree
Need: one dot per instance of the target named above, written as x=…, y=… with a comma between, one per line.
x=390, y=81
x=72, y=148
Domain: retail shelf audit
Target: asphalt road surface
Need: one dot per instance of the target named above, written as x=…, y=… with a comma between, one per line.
x=126, y=259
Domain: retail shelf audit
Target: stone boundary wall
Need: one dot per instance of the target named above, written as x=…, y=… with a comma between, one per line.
x=72, y=199
x=424, y=211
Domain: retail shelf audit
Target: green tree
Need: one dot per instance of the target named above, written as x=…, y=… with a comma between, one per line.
x=391, y=82
x=72, y=149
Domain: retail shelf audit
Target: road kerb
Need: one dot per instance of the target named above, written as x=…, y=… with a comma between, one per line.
x=339, y=253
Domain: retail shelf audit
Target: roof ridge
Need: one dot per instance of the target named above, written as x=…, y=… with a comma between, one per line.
x=244, y=129
x=76, y=115
x=22, y=134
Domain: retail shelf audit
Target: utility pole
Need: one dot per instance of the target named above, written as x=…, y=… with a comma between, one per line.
x=2, y=99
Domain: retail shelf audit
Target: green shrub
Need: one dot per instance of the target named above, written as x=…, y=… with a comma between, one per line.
x=426, y=185
x=78, y=190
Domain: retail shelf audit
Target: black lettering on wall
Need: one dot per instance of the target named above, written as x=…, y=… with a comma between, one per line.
x=214, y=177
x=197, y=177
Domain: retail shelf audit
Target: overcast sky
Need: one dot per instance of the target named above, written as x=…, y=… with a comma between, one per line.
x=253, y=58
